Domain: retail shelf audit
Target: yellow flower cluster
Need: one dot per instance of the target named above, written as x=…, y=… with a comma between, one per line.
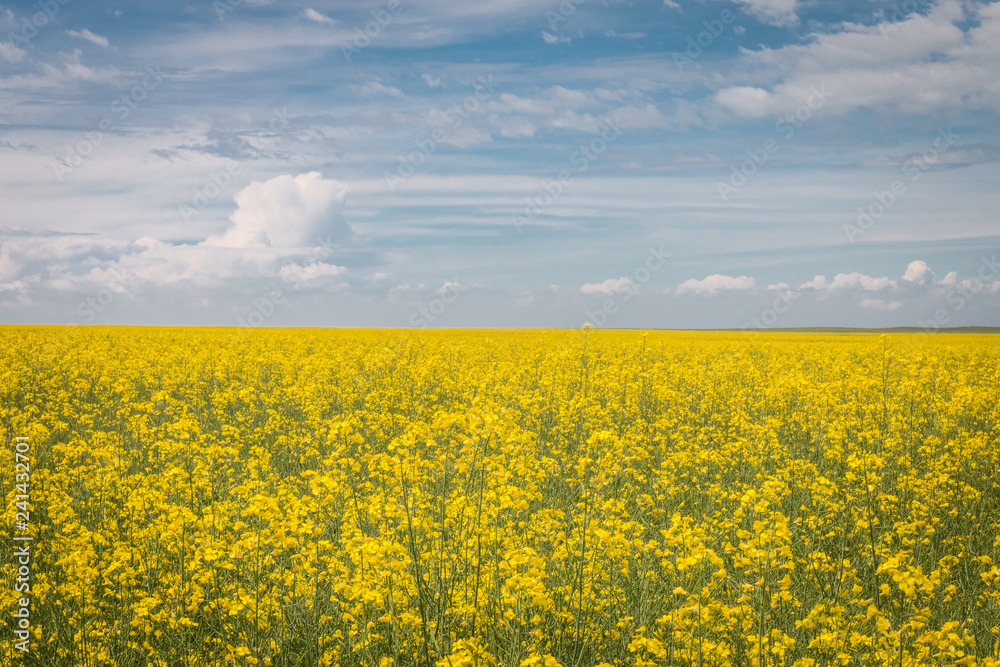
x=217, y=497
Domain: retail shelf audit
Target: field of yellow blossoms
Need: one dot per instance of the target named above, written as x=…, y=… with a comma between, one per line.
x=213, y=497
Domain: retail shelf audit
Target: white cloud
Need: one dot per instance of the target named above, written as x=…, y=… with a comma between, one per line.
x=623, y=284
x=714, y=283
x=450, y=286
x=73, y=263
x=855, y=279
x=972, y=285
x=15, y=286
x=575, y=121
x=561, y=107
x=774, y=12
x=921, y=64
x=778, y=286
x=313, y=15
x=746, y=101
x=950, y=280
x=70, y=69
x=10, y=53
x=671, y=4
x=89, y=36
x=917, y=271
x=373, y=88
x=310, y=275
x=566, y=97
x=153, y=261
x=514, y=128
x=432, y=81
x=555, y=39
x=510, y=103
x=844, y=281
x=878, y=304
x=286, y=212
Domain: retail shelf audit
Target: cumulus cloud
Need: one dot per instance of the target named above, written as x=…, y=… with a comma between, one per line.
x=310, y=275
x=714, y=283
x=968, y=286
x=818, y=282
x=450, y=286
x=918, y=272
x=153, y=261
x=855, y=280
x=623, y=284
x=286, y=212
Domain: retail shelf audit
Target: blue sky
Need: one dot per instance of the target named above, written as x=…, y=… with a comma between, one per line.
x=507, y=163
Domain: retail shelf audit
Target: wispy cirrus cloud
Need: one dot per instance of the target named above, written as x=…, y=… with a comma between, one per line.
x=90, y=37
x=312, y=15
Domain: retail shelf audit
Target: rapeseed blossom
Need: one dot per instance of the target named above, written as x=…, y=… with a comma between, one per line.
x=536, y=498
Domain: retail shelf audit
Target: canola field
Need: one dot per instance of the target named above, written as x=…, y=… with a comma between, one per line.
x=215, y=497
